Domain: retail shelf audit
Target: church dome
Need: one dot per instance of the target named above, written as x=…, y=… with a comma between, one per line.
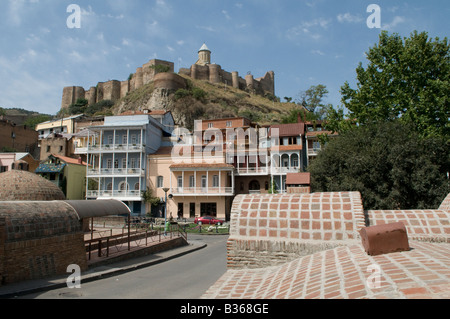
x=18, y=185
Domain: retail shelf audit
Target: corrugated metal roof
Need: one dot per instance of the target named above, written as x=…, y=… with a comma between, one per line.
x=98, y=208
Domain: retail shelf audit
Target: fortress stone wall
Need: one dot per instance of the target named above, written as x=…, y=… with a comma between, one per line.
x=114, y=90
x=148, y=73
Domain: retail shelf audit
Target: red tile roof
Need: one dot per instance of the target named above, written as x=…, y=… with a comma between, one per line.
x=285, y=130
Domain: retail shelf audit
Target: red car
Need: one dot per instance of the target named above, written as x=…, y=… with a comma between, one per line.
x=208, y=220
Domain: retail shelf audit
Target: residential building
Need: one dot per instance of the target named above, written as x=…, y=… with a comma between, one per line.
x=67, y=173
x=286, y=153
x=59, y=126
x=7, y=161
x=18, y=138
x=313, y=131
x=117, y=157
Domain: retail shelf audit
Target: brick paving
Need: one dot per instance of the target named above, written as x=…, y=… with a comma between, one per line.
x=308, y=247
x=344, y=273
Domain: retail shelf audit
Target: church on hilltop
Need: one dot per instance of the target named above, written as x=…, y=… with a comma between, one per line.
x=163, y=75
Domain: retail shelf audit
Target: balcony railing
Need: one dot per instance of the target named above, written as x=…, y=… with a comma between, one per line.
x=313, y=151
x=284, y=170
x=116, y=172
x=117, y=148
x=113, y=194
x=202, y=191
x=252, y=171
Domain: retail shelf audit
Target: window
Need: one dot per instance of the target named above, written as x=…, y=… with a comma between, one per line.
x=216, y=181
x=160, y=182
x=137, y=186
x=204, y=181
x=48, y=149
x=133, y=163
x=3, y=169
x=123, y=186
x=180, y=181
x=109, y=187
x=229, y=124
x=295, y=161
x=61, y=149
x=110, y=139
x=210, y=125
x=109, y=163
x=316, y=146
x=133, y=139
x=192, y=181
x=116, y=164
x=124, y=163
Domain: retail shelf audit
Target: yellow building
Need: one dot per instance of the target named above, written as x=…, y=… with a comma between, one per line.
x=67, y=173
x=199, y=186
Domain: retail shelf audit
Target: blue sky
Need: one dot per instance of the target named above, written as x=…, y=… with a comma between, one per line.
x=304, y=42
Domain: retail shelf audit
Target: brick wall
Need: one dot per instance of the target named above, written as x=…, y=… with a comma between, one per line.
x=40, y=239
x=273, y=229
x=422, y=225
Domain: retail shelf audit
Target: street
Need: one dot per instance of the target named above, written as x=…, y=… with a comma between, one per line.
x=186, y=277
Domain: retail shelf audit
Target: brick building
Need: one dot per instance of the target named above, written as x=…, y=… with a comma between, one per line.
x=18, y=138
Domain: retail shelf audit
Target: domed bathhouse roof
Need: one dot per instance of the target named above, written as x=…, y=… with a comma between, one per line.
x=18, y=185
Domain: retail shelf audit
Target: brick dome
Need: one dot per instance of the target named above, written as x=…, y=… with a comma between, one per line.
x=18, y=185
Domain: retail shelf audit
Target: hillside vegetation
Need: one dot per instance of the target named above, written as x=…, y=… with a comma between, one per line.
x=205, y=100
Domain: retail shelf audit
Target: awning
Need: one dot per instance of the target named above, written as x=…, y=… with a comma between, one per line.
x=98, y=208
x=50, y=168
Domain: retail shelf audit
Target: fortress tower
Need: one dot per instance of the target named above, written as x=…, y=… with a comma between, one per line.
x=204, y=56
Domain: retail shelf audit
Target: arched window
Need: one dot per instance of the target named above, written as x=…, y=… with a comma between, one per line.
x=254, y=186
x=123, y=186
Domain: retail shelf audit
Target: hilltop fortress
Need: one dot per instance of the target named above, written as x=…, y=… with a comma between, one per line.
x=161, y=73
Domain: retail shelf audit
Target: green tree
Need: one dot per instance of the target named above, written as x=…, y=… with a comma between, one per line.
x=388, y=163
x=406, y=79
x=35, y=120
x=312, y=99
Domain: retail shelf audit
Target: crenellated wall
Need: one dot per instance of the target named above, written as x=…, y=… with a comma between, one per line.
x=115, y=90
x=215, y=74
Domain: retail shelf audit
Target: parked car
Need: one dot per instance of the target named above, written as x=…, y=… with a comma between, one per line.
x=208, y=220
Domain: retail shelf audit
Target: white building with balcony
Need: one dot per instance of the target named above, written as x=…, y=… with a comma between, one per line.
x=117, y=156
x=286, y=153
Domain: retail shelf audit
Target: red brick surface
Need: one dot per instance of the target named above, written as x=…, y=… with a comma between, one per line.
x=304, y=246
x=344, y=273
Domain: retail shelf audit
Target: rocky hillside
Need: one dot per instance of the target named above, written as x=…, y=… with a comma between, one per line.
x=204, y=100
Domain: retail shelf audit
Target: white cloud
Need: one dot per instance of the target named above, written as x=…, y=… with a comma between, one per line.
x=348, y=17
x=317, y=52
x=225, y=13
x=312, y=29
x=395, y=22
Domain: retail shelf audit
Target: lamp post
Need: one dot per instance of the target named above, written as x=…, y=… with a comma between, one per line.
x=165, y=189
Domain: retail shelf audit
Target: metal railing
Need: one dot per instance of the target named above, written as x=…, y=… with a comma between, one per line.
x=137, y=233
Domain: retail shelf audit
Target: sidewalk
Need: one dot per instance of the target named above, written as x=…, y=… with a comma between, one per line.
x=98, y=272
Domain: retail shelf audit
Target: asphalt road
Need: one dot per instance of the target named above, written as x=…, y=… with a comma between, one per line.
x=186, y=277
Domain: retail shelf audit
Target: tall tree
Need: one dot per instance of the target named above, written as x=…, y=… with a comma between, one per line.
x=388, y=163
x=406, y=79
